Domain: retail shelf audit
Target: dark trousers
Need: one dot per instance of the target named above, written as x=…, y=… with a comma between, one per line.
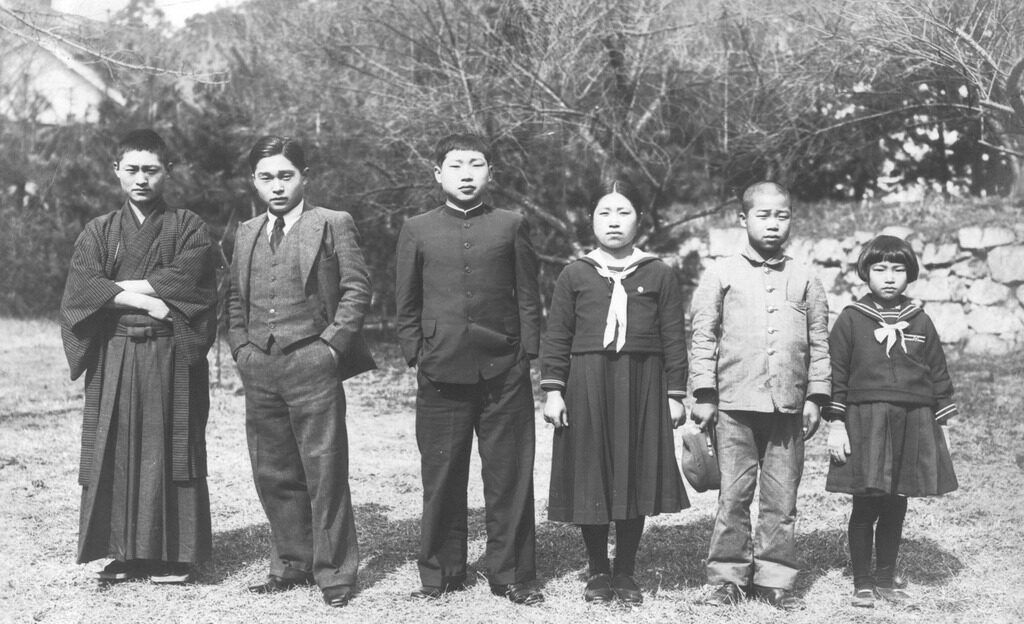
x=298, y=445
x=755, y=448
x=500, y=411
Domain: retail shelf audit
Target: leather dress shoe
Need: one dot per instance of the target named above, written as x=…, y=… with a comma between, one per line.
x=626, y=589
x=599, y=588
x=518, y=593
x=779, y=598
x=725, y=595
x=430, y=592
x=895, y=595
x=337, y=595
x=275, y=584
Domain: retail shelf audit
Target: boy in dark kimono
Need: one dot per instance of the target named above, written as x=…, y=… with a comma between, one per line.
x=138, y=316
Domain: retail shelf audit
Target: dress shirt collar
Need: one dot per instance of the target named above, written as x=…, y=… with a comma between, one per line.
x=290, y=217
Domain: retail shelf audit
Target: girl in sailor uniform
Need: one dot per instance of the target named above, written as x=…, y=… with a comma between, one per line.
x=891, y=400
x=614, y=368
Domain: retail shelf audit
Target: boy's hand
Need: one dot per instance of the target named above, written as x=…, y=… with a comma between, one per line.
x=156, y=308
x=838, y=442
x=704, y=414
x=554, y=409
x=812, y=418
x=677, y=411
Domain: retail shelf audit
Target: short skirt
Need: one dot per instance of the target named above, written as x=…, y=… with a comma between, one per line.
x=895, y=449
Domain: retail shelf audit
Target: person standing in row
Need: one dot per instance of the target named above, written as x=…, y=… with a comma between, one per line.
x=468, y=318
x=614, y=370
x=891, y=400
x=299, y=293
x=137, y=317
x=759, y=372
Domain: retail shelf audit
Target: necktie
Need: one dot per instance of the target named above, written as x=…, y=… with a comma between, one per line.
x=277, y=235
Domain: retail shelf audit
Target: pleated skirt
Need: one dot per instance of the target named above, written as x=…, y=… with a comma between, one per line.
x=616, y=459
x=896, y=449
x=131, y=508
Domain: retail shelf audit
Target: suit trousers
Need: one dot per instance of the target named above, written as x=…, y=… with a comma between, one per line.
x=500, y=411
x=765, y=449
x=298, y=445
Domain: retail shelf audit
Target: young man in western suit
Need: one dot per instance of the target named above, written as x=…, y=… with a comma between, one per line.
x=299, y=292
x=469, y=320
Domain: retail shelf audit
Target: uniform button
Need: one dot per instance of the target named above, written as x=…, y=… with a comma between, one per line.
x=770, y=289
x=465, y=225
x=468, y=270
x=772, y=330
x=273, y=311
x=767, y=270
x=469, y=293
x=771, y=351
x=467, y=245
x=772, y=309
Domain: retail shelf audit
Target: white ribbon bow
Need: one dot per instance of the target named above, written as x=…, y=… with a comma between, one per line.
x=888, y=333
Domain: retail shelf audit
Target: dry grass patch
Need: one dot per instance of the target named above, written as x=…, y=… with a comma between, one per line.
x=961, y=552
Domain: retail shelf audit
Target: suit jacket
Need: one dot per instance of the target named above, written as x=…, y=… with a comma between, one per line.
x=336, y=281
x=468, y=303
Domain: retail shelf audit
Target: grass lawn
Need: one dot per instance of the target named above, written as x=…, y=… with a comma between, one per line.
x=962, y=552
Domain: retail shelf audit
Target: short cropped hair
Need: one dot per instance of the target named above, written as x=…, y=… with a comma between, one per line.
x=272, y=145
x=467, y=142
x=759, y=189
x=144, y=140
x=887, y=248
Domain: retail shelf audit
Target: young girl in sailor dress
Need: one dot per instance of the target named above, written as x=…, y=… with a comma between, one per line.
x=891, y=400
x=614, y=369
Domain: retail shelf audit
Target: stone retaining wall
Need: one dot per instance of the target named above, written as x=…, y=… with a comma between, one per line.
x=973, y=289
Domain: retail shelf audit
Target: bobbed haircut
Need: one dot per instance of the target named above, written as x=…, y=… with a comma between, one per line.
x=272, y=145
x=467, y=142
x=761, y=189
x=887, y=248
x=144, y=140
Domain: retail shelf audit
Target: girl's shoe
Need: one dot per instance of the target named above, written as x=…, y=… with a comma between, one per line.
x=863, y=598
x=626, y=589
x=599, y=588
x=895, y=595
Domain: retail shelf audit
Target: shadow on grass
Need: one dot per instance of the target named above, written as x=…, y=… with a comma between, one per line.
x=384, y=546
x=922, y=561
x=669, y=556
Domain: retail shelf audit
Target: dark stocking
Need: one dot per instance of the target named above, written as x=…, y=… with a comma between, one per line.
x=893, y=509
x=595, y=538
x=627, y=542
x=861, y=535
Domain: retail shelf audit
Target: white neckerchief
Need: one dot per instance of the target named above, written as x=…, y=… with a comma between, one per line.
x=889, y=333
x=615, y=322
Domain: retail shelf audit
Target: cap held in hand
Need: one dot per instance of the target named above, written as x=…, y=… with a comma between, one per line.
x=699, y=460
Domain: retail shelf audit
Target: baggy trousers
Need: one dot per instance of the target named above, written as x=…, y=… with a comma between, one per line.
x=750, y=443
x=298, y=445
x=500, y=411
